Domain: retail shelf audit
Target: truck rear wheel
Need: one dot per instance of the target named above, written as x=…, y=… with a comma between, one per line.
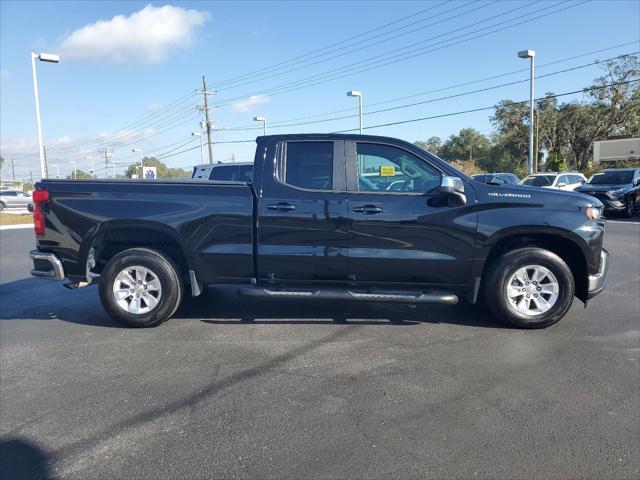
x=140, y=287
x=529, y=288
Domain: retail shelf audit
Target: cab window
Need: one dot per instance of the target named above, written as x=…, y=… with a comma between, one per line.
x=309, y=165
x=383, y=168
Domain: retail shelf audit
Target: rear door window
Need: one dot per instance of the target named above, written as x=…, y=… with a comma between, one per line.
x=308, y=165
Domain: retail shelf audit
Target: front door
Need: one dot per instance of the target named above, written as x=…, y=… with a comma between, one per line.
x=402, y=229
x=302, y=228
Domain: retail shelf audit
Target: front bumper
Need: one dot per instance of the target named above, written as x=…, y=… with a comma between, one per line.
x=596, y=282
x=46, y=265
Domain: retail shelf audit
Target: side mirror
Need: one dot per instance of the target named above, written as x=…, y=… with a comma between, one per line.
x=561, y=184
x=452, y=191
x=451, y=185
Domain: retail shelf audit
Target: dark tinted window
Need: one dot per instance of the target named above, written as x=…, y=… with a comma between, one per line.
x=482, y=178
x=539, y=180
x=228, y=173
x=613, y=178
x=309, y=165
x=245, y=173
x=8, y=194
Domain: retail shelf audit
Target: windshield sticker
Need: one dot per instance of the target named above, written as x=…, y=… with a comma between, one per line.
x=509, y=195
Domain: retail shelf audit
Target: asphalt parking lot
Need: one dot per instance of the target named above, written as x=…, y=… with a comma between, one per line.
x=251, y=389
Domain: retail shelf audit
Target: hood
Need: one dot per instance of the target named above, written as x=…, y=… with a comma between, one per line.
x=521, y=193
x=602, y=188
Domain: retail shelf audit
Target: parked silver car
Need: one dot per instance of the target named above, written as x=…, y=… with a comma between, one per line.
x=14, y=199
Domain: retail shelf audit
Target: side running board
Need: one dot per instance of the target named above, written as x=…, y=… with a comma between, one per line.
x=445, y=298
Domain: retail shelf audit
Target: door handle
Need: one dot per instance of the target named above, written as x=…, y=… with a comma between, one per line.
x=281, y=207
x=368, y=209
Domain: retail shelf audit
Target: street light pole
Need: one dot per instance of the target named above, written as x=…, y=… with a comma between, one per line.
x=356, y=93
x=93, y=171
x=530, y=54
x=264, y=123
x=141, y=162
x=195, y=134
x=43, y=57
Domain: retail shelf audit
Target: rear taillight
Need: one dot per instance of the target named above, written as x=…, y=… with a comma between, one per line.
x=39, y=198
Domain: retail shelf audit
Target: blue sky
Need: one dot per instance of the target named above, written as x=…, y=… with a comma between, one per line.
x=140, y=70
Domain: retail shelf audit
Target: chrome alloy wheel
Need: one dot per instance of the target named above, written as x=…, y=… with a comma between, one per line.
x=137, y=290
x=532, y=290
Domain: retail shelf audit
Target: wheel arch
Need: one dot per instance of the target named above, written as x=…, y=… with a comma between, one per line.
x=563, y=243
x=115, y=236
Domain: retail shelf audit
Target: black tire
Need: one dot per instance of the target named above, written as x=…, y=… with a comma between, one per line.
x=501, y=271
x=630, y=207
x=161, y=267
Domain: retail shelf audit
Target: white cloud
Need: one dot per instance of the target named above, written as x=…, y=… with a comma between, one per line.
x=29, y=146
x=250, y=103
x=146, y=36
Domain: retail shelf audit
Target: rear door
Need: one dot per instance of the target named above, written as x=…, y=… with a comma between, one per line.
x=302, y=228
x=402, y=230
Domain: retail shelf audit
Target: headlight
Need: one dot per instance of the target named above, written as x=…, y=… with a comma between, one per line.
x=594, y=213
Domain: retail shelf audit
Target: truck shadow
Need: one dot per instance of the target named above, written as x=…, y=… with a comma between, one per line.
x=20, y=458
x=223, y=306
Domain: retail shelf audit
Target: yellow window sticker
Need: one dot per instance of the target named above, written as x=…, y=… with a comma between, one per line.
x=387, y=170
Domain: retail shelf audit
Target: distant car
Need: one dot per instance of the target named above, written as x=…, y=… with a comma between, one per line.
x=230, y=172
x=617, y=188
x=560, y=181
x=14, y=199
x=496, y=178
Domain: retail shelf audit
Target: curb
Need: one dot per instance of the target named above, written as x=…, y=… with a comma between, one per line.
x=16, y=227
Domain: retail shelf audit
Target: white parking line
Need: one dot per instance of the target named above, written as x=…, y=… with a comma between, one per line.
x=622, y=222
x=15, y=227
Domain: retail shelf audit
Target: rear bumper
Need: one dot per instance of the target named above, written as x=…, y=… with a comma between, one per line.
x=597, y=281
x=46, y=265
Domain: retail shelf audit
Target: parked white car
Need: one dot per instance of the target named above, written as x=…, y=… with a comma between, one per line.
x=561, y=181
x=14, y=199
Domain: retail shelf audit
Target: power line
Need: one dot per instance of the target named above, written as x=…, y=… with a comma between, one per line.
x=265, y=74
x=448, y=97
x=354, y=37
x=492, y=107
x=450, y=87
x=378, y=62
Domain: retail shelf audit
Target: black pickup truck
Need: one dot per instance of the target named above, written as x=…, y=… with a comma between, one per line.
x=353, y=217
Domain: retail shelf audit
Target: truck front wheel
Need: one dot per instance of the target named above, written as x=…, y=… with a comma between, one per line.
x=529, y=288
x=140, y=287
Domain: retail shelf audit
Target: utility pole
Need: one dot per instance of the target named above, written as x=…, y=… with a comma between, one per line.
x=205, y=94
x=106, y=153
x=13, y=171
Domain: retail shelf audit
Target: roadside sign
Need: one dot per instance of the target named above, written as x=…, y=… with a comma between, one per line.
x=149, y=173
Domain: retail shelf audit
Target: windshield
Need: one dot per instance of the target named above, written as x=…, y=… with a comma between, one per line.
x=611, y=178
x=538, y=180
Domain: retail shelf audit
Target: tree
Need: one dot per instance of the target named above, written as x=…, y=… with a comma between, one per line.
x=433, y=145
x=79, y=175
x=1, y=162
x=614, y=111
x=467, y=145
x=161, y=169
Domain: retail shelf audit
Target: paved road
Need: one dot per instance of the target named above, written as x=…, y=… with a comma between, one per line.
x=248, y=389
